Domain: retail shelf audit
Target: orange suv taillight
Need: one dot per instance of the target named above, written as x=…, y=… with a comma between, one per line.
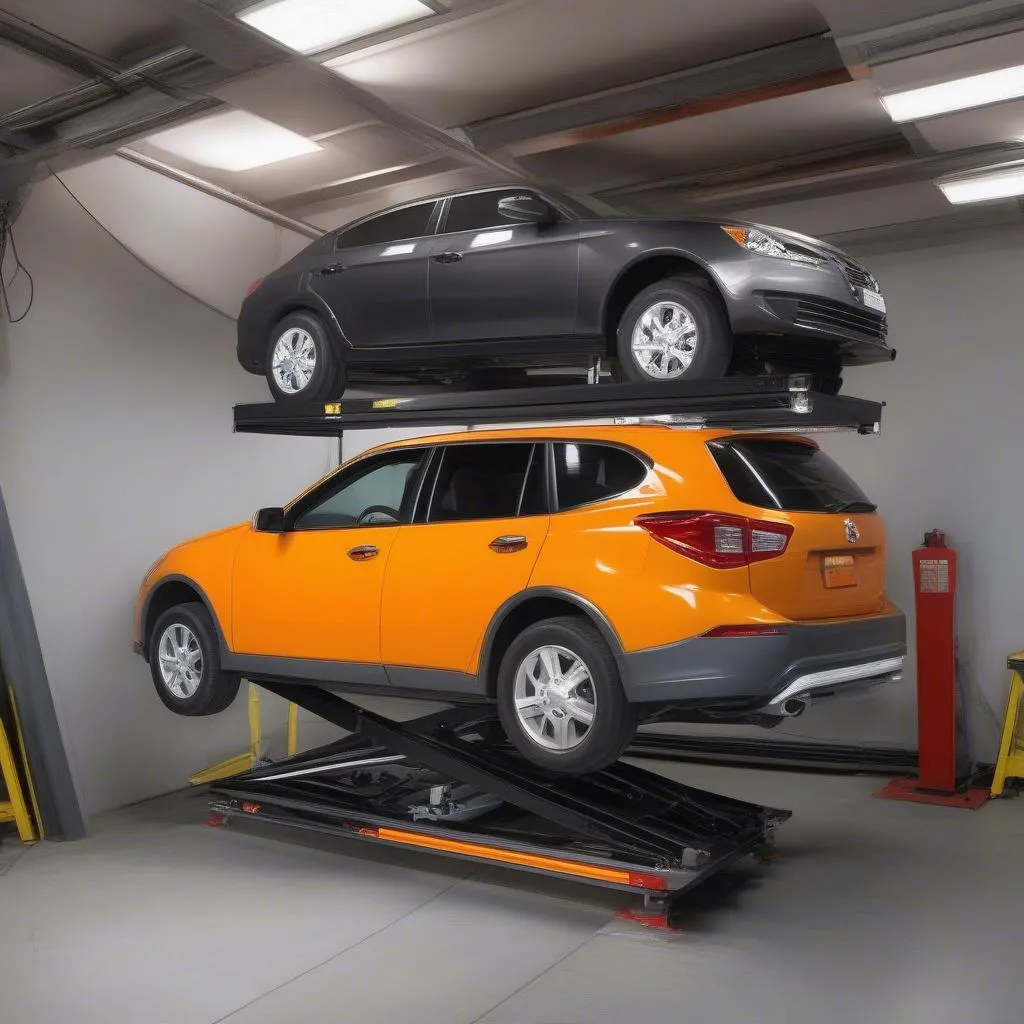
x=717, y=540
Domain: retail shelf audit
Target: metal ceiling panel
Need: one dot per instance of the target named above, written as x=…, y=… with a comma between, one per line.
x=527, y=54
x=25, y=79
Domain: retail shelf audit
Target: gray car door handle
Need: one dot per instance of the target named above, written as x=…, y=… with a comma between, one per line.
x=363, y=553
x=447, y=257
x=332, y=268
x=508, y=543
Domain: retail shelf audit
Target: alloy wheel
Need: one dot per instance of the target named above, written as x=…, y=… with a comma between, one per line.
x=181, y=660
x=293, y=361
x=554, y=696
x=664, y=340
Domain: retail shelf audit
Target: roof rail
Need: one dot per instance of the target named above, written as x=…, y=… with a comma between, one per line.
x=770, y=403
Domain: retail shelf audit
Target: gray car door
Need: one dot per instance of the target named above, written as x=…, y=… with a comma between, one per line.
x=491, y=278
x=375, y=279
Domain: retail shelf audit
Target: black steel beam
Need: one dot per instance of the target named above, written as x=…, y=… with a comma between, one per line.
x=751, y=402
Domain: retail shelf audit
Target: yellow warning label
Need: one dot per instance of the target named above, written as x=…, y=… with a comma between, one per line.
x=385, y=403
x=332, y=409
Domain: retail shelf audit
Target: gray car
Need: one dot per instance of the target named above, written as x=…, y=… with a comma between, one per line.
x=513, y=276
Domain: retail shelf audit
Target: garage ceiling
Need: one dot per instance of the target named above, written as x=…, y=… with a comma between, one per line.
x=658, y=106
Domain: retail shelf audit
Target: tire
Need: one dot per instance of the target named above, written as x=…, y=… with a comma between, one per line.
x=706, y=340
x=613, y=722
x=207, y=690
x=307, y=334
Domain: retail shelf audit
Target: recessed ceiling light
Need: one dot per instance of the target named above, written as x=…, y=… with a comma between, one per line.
x=996, y=183
x=959, y=94
x=312, y=25
x=232, y=141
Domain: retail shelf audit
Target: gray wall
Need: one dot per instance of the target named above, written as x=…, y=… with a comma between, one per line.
x=115, y=443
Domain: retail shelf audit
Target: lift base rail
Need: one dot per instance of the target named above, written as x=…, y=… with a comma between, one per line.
x=449, y=783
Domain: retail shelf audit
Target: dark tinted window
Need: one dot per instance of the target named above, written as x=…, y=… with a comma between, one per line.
x=375, y=493
x=593, y=472
x=409, y=222
x=479, y=210
x=479, y=481
x=788, y=475
x=534, y=501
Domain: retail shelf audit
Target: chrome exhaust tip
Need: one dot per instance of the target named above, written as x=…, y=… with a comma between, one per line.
x=791, y=707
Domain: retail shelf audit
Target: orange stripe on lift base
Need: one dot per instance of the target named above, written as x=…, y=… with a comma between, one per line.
x=528, y=860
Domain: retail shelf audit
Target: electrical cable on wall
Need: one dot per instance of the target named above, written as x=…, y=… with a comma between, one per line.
x=7, y=239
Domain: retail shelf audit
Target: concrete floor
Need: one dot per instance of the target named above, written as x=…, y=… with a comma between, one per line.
x=874, y=911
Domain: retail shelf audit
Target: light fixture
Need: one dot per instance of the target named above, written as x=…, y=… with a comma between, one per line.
x=994, y=183
x=312, y=25
x=232, y=141
x=959, y=94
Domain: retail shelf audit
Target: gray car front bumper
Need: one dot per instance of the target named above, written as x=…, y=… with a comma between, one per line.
x=762, y=671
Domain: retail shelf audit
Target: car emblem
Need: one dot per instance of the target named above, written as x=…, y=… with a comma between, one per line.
x=852, y=533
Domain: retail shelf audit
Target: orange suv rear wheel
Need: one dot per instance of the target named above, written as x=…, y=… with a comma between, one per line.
x=560, y=697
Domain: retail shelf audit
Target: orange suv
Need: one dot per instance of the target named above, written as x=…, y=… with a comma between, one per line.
x=586, y=578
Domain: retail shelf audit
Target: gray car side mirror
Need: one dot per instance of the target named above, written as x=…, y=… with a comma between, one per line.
x=527, y=209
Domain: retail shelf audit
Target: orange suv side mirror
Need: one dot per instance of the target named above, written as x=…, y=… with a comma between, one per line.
x=269, y=520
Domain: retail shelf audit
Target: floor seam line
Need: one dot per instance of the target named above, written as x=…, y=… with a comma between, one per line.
x=526, y=984
x=342, y=952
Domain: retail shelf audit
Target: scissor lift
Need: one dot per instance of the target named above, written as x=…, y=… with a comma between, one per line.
x=448, y=782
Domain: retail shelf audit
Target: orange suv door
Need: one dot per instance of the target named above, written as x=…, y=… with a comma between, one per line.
x=314, y=591
x=484, y=522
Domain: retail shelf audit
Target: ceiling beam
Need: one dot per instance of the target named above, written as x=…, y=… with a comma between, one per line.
x=786, y=69
x=361, y=184
x=821, y=181
x=209, y=30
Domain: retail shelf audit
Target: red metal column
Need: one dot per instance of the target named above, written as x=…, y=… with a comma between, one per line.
x=935, y=595
x=938, y=729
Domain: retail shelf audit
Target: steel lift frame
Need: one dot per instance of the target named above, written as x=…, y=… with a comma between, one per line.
x=449, y=782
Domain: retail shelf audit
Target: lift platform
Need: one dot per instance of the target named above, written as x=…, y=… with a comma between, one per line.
x=779, y=403
x=448, y=783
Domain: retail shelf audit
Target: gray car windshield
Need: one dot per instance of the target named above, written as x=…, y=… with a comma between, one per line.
x=585, y=207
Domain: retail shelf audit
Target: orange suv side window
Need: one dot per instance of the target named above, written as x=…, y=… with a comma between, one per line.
x=484, y=481
x=585, y=473
x=378, y=492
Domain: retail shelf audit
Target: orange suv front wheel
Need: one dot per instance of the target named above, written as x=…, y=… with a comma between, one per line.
x=560, y=697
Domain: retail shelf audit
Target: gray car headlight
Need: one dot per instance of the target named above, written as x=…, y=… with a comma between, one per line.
x=765, y=244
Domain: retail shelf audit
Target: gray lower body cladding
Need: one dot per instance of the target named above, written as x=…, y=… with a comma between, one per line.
x=753, y=670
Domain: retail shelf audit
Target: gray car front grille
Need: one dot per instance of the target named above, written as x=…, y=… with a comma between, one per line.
x=825, y=315
x=856, y=275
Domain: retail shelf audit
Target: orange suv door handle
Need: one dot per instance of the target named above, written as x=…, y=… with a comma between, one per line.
x=363, y=553
x=508, y=543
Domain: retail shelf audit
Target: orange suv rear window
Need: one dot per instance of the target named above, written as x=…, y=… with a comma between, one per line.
x=790, y=476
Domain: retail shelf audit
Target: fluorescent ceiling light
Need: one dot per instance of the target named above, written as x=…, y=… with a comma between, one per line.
x=959, y=94
x=998, y=183
x=312, y=25
x=233, y=141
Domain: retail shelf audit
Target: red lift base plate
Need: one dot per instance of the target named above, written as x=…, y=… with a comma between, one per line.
x=907, y=789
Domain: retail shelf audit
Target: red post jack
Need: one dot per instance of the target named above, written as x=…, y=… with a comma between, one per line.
x=939, y=729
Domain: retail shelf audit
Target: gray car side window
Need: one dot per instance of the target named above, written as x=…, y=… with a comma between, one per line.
x=376, y=492
x=408, y=222
x=479, y=210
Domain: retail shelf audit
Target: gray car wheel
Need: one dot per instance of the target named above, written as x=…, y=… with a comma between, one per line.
x=674, y=330
x=301, y=364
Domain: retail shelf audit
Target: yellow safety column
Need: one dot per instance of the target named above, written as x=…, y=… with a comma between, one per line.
x=1010, y=763
x=15, y=808
x=245, y=762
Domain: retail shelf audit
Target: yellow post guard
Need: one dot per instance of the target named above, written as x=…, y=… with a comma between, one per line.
x=1010, y=763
